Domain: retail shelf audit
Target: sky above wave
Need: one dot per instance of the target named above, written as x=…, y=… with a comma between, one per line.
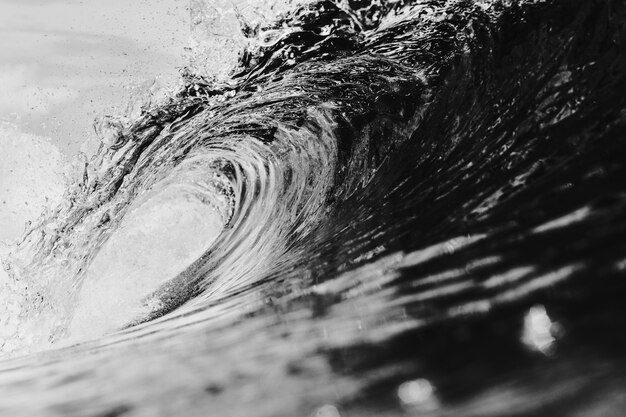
x=63, y=62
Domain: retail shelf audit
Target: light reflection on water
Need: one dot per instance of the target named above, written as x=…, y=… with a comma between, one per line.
x=539, y=331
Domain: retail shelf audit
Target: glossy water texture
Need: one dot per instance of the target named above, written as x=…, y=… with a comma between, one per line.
x=384, y=208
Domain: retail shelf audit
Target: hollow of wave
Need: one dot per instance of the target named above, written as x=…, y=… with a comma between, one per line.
x=154, y=242
x=385, y=208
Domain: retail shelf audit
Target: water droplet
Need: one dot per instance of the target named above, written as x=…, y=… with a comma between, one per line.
x=418, y=393
x=539, y=332
x=326, y=411
x=109, y=131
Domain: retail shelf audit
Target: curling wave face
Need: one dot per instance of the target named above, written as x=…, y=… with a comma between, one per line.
x=373, y=187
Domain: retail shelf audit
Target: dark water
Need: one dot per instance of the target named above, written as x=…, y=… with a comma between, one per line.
x=423, y=213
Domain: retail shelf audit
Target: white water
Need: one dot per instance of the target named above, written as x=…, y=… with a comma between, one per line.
x=32, y=177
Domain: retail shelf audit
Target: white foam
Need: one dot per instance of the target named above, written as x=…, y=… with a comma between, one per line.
x=32, y=177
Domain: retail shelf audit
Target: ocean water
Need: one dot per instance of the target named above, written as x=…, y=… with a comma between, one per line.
x=342, y=208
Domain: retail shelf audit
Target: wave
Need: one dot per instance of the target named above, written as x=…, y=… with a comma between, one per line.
x=378, y=192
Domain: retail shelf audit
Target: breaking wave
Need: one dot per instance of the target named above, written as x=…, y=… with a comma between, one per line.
x=369, y=185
